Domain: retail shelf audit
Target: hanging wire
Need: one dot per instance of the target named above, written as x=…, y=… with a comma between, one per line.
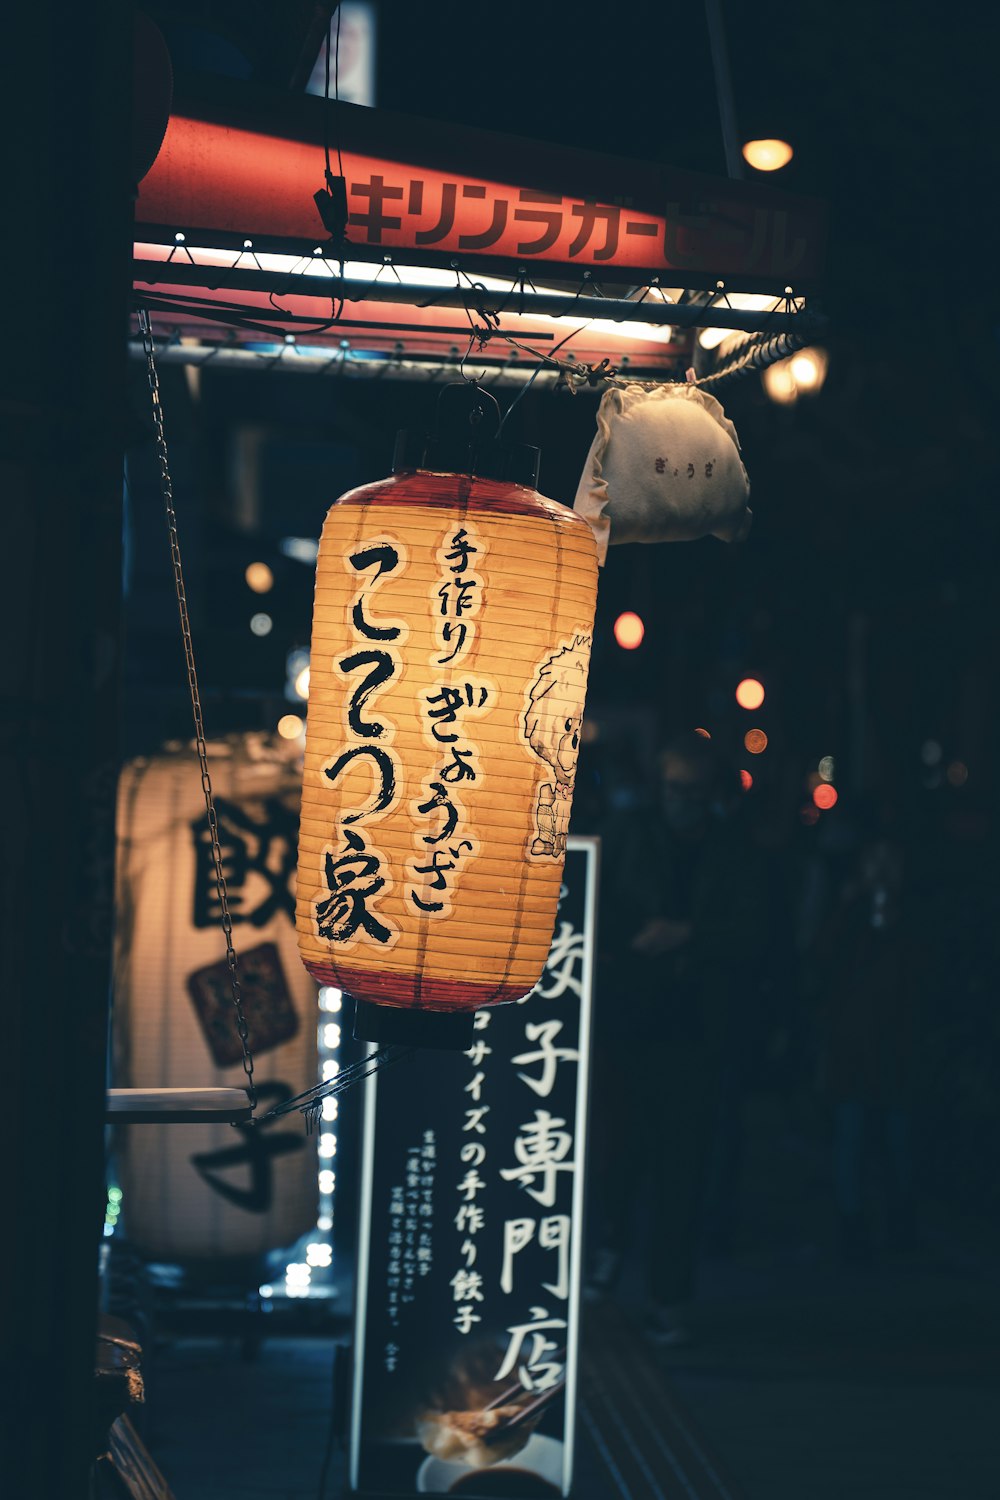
x=336, y=94
x=756, y=350
x=167, y=492
x=573, y=373
x=310, y=1103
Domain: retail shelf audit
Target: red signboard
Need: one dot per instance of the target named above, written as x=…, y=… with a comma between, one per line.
x=566, y=211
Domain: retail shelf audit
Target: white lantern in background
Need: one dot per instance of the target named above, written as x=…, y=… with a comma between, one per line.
x=198, y=1192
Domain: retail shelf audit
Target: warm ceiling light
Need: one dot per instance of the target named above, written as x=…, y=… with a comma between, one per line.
x=750, y=693
x=767, y=156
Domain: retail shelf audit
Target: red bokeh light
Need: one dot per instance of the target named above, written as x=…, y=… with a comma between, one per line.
x=825, y=796
x=747, y=780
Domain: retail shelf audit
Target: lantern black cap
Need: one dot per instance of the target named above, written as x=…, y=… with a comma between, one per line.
x=450, y=1031
x=459, y=445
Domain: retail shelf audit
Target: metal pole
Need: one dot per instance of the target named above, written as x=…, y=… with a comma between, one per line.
x=548, y=304
x=724, y=88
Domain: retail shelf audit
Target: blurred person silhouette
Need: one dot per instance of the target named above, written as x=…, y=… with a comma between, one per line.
x=684, y=925
x=868, y=1020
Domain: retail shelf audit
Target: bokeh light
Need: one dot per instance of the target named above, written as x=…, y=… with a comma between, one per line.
x=746, y=780
x=259, y=577
x=809, y=816
x=808, y=369
x=290, y=726
x=825, y=796
x=801, y=374
x=750, y=693
x=827, y=768
x=957, y=773
x=768, y=155
x=779, y=383
x=755, y=741
x=704, y=734
x=261, y=624
x=302, y=682
x=629, y=631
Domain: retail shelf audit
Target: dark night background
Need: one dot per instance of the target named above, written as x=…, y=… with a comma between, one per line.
x=865, y=599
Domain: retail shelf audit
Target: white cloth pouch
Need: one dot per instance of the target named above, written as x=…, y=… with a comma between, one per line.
x=665, y=466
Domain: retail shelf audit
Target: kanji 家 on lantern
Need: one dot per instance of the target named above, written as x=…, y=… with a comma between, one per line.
x=451, y=641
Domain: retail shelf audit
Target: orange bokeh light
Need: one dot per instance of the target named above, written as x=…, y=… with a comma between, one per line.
x=747, y=780
x=629, y=631
x=704, y=734
x=750, y=693
x=755, y=740
x=825, y=796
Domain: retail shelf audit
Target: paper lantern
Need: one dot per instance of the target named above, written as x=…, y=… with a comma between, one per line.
x=450, y=649
x=201, y=1192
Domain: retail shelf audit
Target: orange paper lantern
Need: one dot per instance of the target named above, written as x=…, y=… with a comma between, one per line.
x=450, y=649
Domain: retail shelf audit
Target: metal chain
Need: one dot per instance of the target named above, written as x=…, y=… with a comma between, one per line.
x=166, y=488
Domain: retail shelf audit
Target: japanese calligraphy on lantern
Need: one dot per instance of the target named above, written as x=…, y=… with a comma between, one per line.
x=354, y=869
x=452, y=627
x=491, y=1304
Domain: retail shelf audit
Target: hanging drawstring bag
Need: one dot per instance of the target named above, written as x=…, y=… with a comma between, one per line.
x=664, y=466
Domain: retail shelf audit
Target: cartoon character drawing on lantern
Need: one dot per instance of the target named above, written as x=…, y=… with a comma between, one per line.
x=552, y=720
